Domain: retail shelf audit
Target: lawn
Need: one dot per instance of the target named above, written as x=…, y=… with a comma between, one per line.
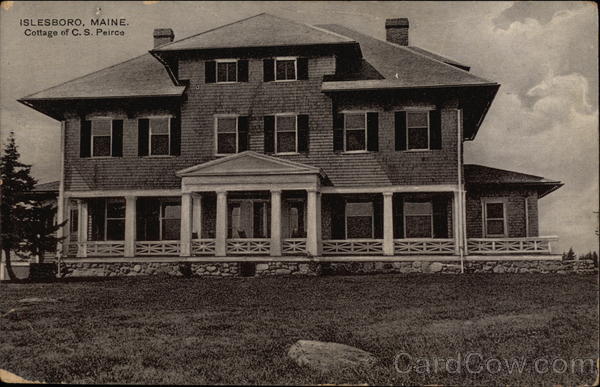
x=238, y=330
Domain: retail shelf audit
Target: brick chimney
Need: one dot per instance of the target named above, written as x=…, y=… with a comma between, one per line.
x=396, y=31
x=163, y=36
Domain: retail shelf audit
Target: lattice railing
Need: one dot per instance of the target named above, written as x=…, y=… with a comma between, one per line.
x=102, y=248
x=71, y=249
x=352, y=246
x=424, y=246
x=293, y=246
x=157, y=248
x=203, y=246
x=510, y=245
x=249, y=246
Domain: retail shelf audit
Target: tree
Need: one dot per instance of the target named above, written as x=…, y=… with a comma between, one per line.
x=569, y=256
x=26, y=224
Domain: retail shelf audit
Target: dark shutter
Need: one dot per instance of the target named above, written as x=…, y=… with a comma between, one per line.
x=302, y=68
x=303, y=133
x=85, y=139
x=117, y=138
x=440, y=217
x=269, y=122
x=242, y=133
x=269, y=70
x=400, y=130
x=398, y=207
x=210, y=71
x=435, y=127
x=338, y=132
x=338, y=218
x=372, y=131
x=143, y=132
x=175, y=145
x=378, y=217
x=242, y=70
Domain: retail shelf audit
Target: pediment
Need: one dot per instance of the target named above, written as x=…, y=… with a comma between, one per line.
x=248, y=163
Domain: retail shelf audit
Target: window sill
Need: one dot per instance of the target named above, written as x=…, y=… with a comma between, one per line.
x=355, y=152
x=100, y=157
x=225, y=154
x=417, y=150
x=227, y=83
x=284, y=80
x=159, y=156
x=286, y=154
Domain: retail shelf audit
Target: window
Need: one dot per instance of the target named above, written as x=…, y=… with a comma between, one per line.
x=226, y=70
x=285, y=69
x=418, y=220
x=296, y=219
x=227, y=135
x=170, y=220
x=494, y=218
x=101, y=137
x=359, y=220
x=417, y=130
x=159, y=136
x=286, y=127
x=108, y=219
x=355, y=132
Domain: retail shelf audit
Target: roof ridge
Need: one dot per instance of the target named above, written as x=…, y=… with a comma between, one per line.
x=327, y=31
x=83, y=76
x=440, y=55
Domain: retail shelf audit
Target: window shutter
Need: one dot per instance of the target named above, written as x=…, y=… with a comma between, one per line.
x=85, y=140
x=400, y=130
x=269, y=122
x=338, y=218
x=242, y=70
x=302, y=64
x=378, y=217
x=440, y=218
x=175, y=145
x=117, y=138
x=338, y=132
x=303, y=133
x=398, y=208
x=143, y=132
x=210, y=70
x=242, y=133
x=269, y=70
x=372, y=131
x=435, y=135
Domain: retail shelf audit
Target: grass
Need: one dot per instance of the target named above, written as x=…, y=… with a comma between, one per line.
x=238, y=330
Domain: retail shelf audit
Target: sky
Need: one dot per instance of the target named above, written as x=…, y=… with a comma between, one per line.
x=544, y=120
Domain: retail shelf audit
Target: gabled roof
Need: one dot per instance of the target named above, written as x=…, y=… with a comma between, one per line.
x=482, y=175
x=263, y=30
x=51, y=186
x=435, y=56
x=143, y=76
x=401, y=67
x=248, y=163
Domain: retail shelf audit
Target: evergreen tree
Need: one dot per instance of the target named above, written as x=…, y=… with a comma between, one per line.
x=570, y=256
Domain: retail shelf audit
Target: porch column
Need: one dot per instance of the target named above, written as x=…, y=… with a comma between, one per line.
x=313, y=222
x=221, y=227
x=186, y=225
x=388, y=224
x=275, y=223
x=130, y=223
x=83, y=228
x=456, y=222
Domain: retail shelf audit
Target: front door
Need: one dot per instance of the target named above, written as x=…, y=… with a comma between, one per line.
x=249, y=218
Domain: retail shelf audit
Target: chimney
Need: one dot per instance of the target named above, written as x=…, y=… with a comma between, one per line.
x=396, y=31
x=163, y=36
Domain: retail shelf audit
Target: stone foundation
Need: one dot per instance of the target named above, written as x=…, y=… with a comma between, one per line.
x=278, y=268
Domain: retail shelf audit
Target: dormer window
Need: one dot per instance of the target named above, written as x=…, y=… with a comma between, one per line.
x=226, y=70
x=285, y=69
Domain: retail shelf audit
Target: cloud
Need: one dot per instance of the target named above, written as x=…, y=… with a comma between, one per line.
x=542, y=12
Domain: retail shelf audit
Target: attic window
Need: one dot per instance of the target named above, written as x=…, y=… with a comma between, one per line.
x=285, y=69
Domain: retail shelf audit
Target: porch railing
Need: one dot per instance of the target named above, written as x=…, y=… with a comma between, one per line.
x=249, y=246
x=352, y=246
x=293, y=246
x=157, y=248
x=424, y=246
x=102, y=248
x=510, y=245
x=203, y=246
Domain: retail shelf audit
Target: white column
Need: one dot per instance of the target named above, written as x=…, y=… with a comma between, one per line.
x=313, y=222
x=456, y=222
x=276, y=223
x=185, y=230
x=388, y=223
x=83, y=228
x=197, y=215
x=221, y=227
x=130, y=224
x=463, y=221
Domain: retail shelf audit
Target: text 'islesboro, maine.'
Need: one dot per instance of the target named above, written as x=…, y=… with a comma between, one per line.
x=74, y=27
